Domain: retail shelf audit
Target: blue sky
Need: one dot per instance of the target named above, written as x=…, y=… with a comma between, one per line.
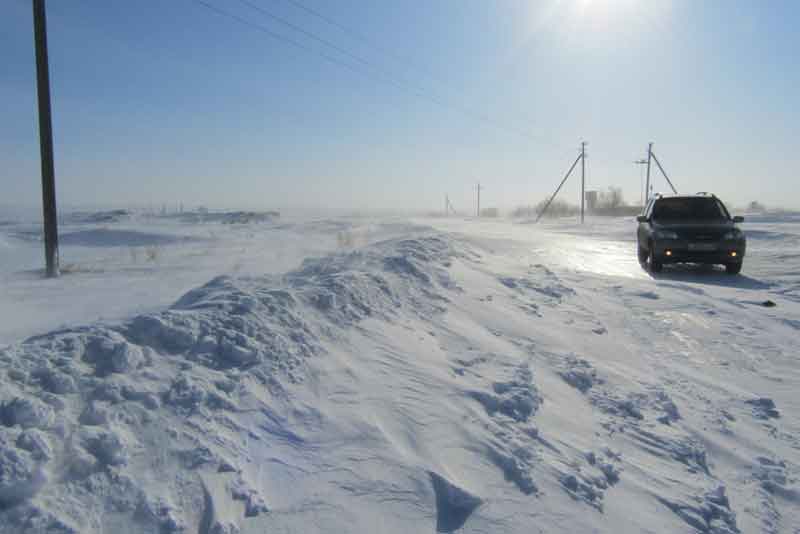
x=164, y=102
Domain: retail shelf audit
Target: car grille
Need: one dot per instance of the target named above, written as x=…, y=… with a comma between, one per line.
x=700, y=236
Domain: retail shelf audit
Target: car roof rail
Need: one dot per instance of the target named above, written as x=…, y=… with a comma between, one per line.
x=706, y=194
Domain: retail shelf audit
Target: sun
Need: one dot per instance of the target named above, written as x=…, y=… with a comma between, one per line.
x=569, y=19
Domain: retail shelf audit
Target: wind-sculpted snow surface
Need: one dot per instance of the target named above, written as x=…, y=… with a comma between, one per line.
x=143, y=420
x=430, y=383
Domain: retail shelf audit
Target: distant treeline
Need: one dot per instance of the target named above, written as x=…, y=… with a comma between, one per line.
x=604, y=203
x=558, y=208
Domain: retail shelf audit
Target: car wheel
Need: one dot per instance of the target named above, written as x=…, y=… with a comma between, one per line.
x=655, y=265
x=733, y=268
x=642, y=254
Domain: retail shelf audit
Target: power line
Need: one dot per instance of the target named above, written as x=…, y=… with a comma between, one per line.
x=383, y=72
x=374, y=73
x=363, y=38
x=425, y=71
x=326, y=56
x=274, y=35
x=305, y=32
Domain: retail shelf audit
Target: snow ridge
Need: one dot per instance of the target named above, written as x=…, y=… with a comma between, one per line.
x=144, y=420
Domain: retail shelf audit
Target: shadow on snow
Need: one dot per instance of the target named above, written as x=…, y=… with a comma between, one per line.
x=707, y=274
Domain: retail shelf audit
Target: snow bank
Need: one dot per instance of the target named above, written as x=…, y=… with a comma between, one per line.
x=104, y=237
x=143, y=420
x=99, y=217
x=229, y=217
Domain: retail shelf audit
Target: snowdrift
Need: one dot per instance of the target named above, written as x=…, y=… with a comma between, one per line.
x=416, y=384
x=149, y=425
x=228, y=217
x=104, y=237
x=99, y=217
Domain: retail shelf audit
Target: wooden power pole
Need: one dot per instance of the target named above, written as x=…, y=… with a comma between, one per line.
x=46, y=140
x=583, y=177
x=647, y=183
x=641, y=162
x=550, y=200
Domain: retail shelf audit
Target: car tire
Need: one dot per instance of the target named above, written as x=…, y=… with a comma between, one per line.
x=642, y=254
x=655, y=265
x=733, y=268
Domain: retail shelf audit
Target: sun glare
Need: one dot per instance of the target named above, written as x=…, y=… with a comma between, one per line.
x=595, y=19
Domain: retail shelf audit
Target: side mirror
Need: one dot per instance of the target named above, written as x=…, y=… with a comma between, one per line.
x=738, y=219
x=641, y=218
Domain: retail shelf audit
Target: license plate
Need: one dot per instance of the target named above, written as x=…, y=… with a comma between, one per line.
x=704, y=247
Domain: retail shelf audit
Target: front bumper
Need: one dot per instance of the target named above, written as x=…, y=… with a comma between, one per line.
x=679, y=251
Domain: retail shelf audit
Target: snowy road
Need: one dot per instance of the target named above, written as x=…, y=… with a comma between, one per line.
x=604, y=247
x=429, y=375
x=695, y=335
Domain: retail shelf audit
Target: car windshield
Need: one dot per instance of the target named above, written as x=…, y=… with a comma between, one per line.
x=693, y=208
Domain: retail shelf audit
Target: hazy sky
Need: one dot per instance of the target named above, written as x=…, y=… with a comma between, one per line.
x=166, y=101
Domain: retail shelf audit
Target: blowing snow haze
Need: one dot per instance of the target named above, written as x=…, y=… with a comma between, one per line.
x=360, y=267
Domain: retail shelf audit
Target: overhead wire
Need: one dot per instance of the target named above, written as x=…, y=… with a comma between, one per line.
x=363, y=38
x=374, y=73
x=409, y=62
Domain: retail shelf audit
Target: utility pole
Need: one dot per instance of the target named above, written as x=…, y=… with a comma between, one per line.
x=641, y=181
x=46, y=140
x=479, y=199
x=583, y=177
x=449, y=206
x=664, y=174
x=550, y=200
x=647, y=184
x=651, y=156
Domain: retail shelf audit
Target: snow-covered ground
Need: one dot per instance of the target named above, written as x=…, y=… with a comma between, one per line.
x=366, y=375
x=145, y=263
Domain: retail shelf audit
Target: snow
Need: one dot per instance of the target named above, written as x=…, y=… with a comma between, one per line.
x=391, y=375
x=144, y=263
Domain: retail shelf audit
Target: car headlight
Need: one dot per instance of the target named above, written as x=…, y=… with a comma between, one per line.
x=733, y=234
x=665, y=234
